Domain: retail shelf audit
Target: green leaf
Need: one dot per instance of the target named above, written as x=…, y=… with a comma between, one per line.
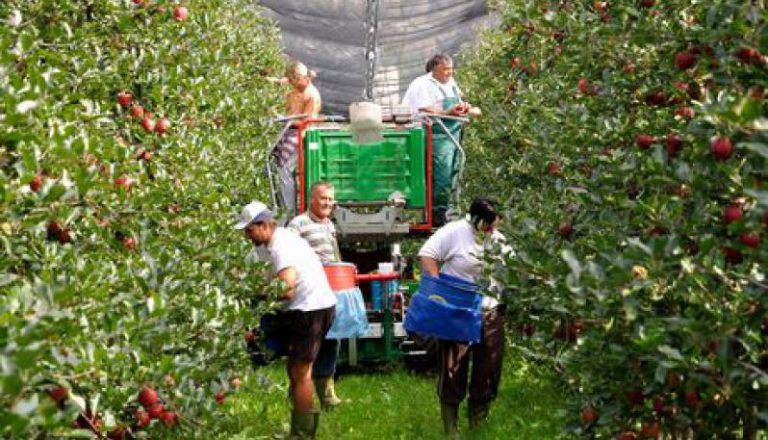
x=757, y=147
x=671, y=353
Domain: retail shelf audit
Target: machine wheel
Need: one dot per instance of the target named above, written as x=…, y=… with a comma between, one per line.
x=421, y=354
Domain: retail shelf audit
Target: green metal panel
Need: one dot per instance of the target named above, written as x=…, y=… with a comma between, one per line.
x=368, y=172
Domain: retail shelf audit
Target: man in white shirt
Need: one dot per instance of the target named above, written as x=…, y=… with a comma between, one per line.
x=309, y=306
x=437, y=93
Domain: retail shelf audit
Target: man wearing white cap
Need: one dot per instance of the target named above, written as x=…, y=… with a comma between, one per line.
x=309, y=306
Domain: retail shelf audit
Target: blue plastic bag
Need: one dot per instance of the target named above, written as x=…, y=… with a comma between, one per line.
x=351, y=320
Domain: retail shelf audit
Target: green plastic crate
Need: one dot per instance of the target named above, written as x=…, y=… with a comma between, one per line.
x=368, y=172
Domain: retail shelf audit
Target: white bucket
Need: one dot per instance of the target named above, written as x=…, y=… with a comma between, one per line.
x=365, y=122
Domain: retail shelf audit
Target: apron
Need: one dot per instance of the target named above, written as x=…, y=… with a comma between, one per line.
x=445, y=163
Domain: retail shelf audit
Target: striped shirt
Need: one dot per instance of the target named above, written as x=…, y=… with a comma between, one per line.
x=320, y=234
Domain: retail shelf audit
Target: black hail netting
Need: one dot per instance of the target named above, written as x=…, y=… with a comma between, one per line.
x=338, y=38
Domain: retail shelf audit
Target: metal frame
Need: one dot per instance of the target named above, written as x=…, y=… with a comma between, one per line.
x=431, y=117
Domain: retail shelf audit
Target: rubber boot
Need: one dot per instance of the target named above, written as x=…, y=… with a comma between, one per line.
x=478, y=413
x=450, y=414
x=304, y=424
x=326, y=392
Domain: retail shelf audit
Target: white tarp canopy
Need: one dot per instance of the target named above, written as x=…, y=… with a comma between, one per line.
x=372, y=48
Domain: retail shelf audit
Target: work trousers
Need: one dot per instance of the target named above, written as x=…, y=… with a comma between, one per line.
x=446, y=163
x=486, y=360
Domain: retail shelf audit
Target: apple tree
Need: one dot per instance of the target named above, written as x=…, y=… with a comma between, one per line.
x=131, y=132
x=628, y=141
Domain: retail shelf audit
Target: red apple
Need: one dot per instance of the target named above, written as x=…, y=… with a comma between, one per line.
x=732, y=213
x=657, y=98
x=674, y=380
x=220, y=397
x=554, y=168
x=59, y=394
x=565, y=229
x=147, y=396
x=629, y=68
x=650, y=430
x=169, y=418
x=144, y=155
x=142, y=418
x=514, y=63
x=162, y=126
x=732, y=255
x=589, y=415
x=124, y=98
x=685, y=112
x=57, y=232
x=722, y=148
x=658, y=405
x=137, y=111
x=124, y=182
x=148, y=124
x=685, y=60
x=599, y=5
x=692, y=398
x=626, y=435
x=634, y=397
x=751, y=239
x=250, y=336
x=584, y=86
x=749, y=55
x=156, y=410
x=180, y=13
x=674, y=144
x=645, y=141
x=129, y=243
x=36, y=183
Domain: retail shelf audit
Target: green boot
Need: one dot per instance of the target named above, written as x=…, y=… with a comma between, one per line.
x=450, y=414
x=304, y=424
x=478, y=413
x=326, y=392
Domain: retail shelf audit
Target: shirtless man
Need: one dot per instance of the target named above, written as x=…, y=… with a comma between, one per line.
x=303, y=98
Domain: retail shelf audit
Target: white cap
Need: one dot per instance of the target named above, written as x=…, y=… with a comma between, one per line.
x=253, y=212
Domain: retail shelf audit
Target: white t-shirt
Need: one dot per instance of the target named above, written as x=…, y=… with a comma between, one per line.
x=288, y=249
x=454, y=246
x=425, y=91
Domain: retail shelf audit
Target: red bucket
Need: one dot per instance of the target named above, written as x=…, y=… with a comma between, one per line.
x=341, y=276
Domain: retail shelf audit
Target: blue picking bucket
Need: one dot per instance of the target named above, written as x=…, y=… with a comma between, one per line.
x=441, y=320
x=446, y=308
x=452, y=290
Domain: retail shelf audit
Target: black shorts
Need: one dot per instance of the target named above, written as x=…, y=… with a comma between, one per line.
x=299, y=333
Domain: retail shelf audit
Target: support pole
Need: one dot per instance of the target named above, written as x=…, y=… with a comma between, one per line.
x=371, y=33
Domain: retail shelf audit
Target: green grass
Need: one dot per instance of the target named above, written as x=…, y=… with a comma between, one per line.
x=389, y=403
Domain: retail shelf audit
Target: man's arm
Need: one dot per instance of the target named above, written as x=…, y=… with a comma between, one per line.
x=288, y=276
